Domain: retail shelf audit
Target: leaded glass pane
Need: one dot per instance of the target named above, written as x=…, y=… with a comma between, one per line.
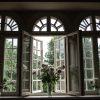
x=34, y=64
x=44, y=20
x=89, y=63
x=39, y=24
x=34, y=85
x=62, y=85
x=58, y=85
x=58, y=24
x=39, y=85
x=61, y=28
x=34, y=75
x=53, y=28
x=44, y=28
x=36, y=28
x=39, y=45
x=89, y=74
x=53, y=21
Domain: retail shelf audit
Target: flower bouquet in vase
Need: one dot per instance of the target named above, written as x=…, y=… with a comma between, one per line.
x=49, y=76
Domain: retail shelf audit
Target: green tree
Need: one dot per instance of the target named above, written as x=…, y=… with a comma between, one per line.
x=50, y=53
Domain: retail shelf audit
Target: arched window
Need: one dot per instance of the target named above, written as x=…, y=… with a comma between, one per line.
x=10, y=24
x=50, y=46
x=97, y=19
x=86, y=24
x=40, y=25
x=55, y=24
x=9, y=54
x=90, y=54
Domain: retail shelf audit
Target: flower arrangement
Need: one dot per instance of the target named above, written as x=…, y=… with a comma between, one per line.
x=49, y=76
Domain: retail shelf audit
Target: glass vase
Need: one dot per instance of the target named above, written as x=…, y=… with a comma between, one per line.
x=49, y=89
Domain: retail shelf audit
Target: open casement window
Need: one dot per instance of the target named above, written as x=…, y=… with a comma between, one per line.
x=26, y=63
x=31, y=63
x=37, y=59
x=59, y=60
x=74, y=64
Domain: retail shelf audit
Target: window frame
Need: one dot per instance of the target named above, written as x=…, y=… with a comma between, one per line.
x=5, y=35
x=93, y=35
x=50, y=33
x=10, y=24
x=53, y=34
x=49, y=24
x=10, y=34
x=60, y=59
x=36, y=69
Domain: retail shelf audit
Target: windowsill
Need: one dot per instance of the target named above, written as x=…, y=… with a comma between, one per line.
x=53, y=96
x=56, y=95
x=46, y=94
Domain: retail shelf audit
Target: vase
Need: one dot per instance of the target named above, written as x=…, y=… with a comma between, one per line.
x=49, y=89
